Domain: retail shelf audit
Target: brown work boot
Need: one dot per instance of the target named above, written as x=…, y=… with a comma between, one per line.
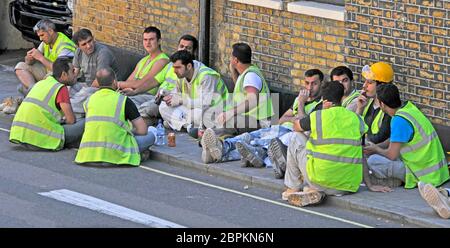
x=6, y=102
x=287, y=193
x=12, y=109
x=301, y=199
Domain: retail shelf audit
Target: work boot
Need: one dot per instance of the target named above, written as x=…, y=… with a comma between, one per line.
x=6, y=102
x=245, y=163
x=212, y=145
x=435, y=198
x=301, y=199
x=277, y=153
x=12, y=109
x=252, y=154
x=145, y=155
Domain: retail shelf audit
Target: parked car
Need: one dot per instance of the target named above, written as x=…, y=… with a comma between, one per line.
x=24, y=14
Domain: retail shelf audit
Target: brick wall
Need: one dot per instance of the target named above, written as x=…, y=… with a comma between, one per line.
x=284, y=44
x=121, y=22
x=413, y=35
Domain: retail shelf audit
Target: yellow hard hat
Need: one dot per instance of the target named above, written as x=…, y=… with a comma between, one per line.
x=380, y=71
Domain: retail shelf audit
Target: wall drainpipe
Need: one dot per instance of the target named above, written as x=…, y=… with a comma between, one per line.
x=204, y=32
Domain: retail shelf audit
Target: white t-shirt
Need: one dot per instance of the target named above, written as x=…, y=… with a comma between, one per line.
x=251, y=79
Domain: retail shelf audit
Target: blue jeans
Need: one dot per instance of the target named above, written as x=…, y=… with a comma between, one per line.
x=145, y=141
x=262, y=137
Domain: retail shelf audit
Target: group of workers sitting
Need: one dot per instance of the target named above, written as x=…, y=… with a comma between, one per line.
x=332, y=138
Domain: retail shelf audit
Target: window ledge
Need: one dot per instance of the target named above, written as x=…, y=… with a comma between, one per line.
x=271, y=4
x=323, y=10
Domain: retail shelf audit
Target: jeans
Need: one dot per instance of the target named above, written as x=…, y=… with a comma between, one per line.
x=145, y=141
x=261, y=137
x=73, y=133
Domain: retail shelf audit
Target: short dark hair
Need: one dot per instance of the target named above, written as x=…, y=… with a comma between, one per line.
x=61, y=64
x=332, y=91
x=389, y=95
x=243, y=52
x=312, y=72
x=82, y=34
x=105, y=76
x=341, y=70
x=152, y=29
x=183, y=55
x=191, y=38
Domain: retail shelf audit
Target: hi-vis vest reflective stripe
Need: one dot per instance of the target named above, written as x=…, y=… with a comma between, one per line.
x=202, y=72
x=170, y=80
x=377, y=121
x=37, y=121
x=263, y=110
x=62, y=42
x=355, y=94
x=423, y=156
x=334, y=149
x=107, y=135
x=143, y=71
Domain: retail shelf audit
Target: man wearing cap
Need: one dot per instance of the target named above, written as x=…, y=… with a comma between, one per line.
x=414, y=152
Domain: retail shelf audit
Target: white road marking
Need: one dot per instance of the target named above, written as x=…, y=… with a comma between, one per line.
x=4, y=130
x=256, y=197
x=250, y=196
x=108, y=208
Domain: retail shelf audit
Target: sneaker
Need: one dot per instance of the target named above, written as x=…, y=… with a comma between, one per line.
x=6, y=102
x=212, y=144
x=12, y=109
x=301, y=199
x=252, y=154
x=436, y=200
x=277, y=153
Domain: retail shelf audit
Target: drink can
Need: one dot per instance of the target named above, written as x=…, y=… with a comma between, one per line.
x=171, y=139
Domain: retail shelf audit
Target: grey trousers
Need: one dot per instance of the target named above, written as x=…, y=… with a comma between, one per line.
x=296, y=176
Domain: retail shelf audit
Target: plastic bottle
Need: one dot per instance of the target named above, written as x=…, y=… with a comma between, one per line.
x=160, y=134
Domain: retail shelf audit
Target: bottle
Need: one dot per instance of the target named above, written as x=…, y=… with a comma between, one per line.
x=160, y=134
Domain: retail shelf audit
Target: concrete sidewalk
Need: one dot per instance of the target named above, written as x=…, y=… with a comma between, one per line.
x=403, y=205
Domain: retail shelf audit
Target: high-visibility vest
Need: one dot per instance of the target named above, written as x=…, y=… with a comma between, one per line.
x=334, y=149
x=377, y=121
x=170, y=79
x=355, y=94
x=423, y=156
x=310, y=107
x=61, y=43
x=37, y=121
x=264, y=108
x=143, y=71
x=196, y=83
x=107, y=134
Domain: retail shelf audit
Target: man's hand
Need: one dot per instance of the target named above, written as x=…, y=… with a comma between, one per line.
x=303, y=96
x=379, y=188
x=361, y=101
x=223, y=117
x=35, y=54
x=128, y=91
x=173, y=100
x=370, y=149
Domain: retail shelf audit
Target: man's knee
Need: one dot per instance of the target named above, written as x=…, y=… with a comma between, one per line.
x=22, y=66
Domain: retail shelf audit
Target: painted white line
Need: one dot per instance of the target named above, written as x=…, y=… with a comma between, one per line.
x=4, y=130
x=108, y=208
x=256, y=197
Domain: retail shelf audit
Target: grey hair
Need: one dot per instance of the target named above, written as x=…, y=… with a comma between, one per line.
x=105, y=76
x=44, y=25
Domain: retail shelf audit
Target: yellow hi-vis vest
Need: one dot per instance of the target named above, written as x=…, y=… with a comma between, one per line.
x=170, y=79
x=264, y=108
x=423, y=156
x=308, y=109
x=377, y=121
x=37, y=121
x=202, y=72
x=107, y=134
x=334, y=149
x=355, y=94
x=62, y=42
x=143, y=71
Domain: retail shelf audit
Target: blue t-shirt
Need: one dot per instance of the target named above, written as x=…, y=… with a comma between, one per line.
x=401, y=130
